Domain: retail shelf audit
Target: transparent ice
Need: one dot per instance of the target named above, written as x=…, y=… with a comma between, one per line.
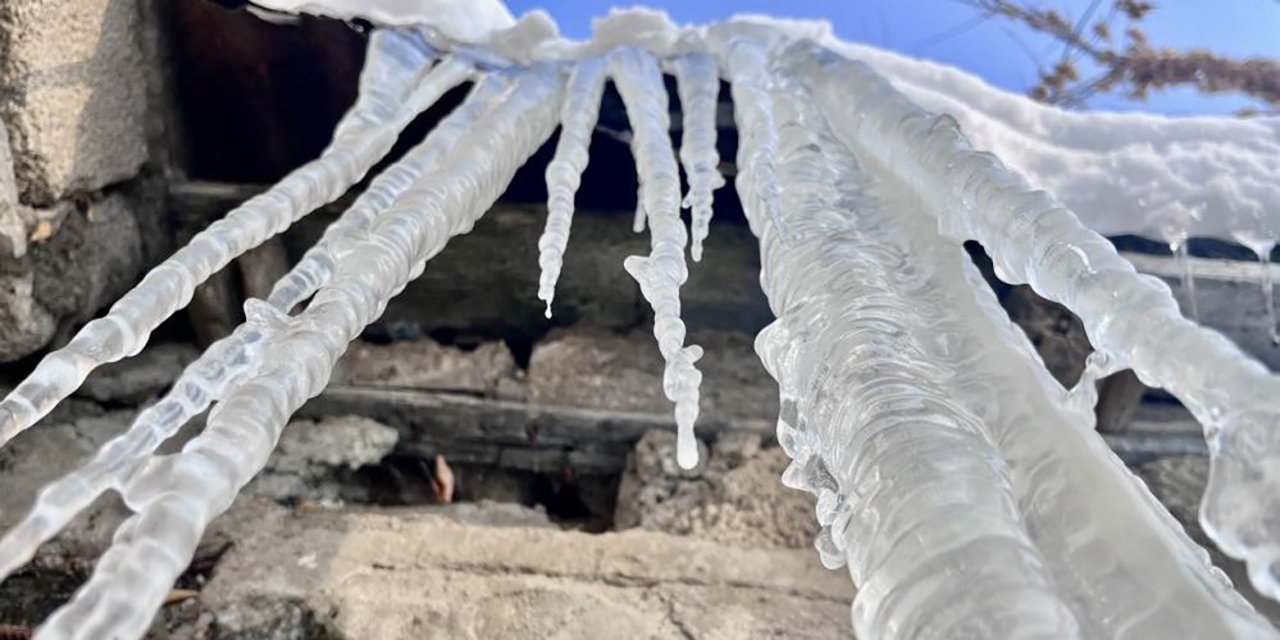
x=963, y=488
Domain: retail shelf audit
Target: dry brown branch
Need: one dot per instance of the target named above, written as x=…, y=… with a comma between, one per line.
x=1131, y=65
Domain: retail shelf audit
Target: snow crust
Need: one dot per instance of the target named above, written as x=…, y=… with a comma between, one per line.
x=462, y=20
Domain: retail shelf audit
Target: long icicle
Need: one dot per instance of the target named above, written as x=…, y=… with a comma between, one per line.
x=564, y=174
x=906, y=478
x=745, y=62
x=176, y=496
x=1133, y=318
x=698, y=81
x=392, y=92
x=316, y=265
x=229, y=360
x=879, y=413
x=660, y=275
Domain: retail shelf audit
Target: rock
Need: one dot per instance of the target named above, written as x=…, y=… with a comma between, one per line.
x=73, y=88
x=429, y=366
x=92, y=260
x=1057, y=334
x=140, y=378
x=13, y=233
x=623, y=372
x=311, y=458
x=416, y=574
x=734, y=497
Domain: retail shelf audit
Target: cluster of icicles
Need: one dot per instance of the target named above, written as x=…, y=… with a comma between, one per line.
x=960, y=484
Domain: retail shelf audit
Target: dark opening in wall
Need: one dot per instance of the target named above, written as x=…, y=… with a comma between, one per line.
x=258, y=99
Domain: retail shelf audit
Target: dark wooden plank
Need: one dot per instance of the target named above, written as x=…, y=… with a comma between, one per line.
x=510, y=434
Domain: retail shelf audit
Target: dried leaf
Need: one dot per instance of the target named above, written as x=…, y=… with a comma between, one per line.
x=443, y=481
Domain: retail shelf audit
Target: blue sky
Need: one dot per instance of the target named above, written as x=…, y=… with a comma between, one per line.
x=997, y=50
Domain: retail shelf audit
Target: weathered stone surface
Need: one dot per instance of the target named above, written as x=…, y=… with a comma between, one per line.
x=134, y=380
x=1057, y=333
x=74, y=94
x=13, y=233
x=409, y=574
x=734, y=496
x=623, y=372
x=310, y=461
x=427, y=365
x=586, y=398
x=95, y=256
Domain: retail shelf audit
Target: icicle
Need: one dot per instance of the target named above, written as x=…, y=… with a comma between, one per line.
x=232, y=358
x=564, y=174
x=1179, y=246
x=174, y=497
x=637, y=225
x=754, y=117
x=1132, y=318
x=1262, y=246
x=660, y=275
x=698, y=81
x=391, y=95
x=1083, y=397
x=851, y=344
x=1269, y=290
x=315, y=267
x=1060, y=540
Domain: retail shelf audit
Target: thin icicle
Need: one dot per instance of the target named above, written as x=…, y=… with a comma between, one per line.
x=1180, y=247
x=229, y=360
x=638, y=223
x=747, y=61
x=316, y=266
x=1083, y=396
x=175, y=496
x=393, y=91
x=660, y=275
x=698, y=81
x=564, y=174
x=1269, y=291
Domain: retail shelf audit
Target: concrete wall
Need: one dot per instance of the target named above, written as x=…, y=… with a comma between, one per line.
x=76, y=222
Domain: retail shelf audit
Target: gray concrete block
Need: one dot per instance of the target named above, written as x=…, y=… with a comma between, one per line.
x=72, y=94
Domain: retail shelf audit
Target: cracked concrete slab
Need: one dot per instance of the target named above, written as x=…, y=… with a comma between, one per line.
x=418, y=574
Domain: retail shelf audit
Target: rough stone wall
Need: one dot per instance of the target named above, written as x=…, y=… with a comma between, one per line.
x=77, y=224
x=74, y=94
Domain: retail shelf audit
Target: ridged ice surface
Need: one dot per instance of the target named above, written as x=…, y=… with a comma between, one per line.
x=1131, y=318
x=175, y=496
x=661, y=273
x=698, y=82
x=949, y=471
x=564, y=173
x=230, y=359
x=964, y=489
x=392, y=91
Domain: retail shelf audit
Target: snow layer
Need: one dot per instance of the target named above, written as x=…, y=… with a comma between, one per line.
x=461, y=20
